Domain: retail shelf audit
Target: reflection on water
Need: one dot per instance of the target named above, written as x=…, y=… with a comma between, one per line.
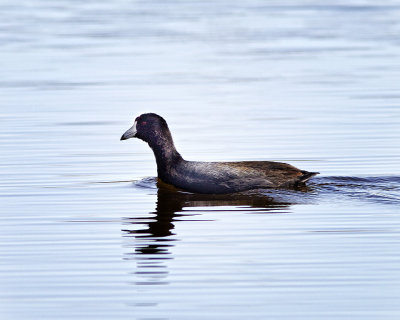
x=152, y=243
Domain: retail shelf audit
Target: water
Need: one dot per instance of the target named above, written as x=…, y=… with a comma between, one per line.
x=86, y=233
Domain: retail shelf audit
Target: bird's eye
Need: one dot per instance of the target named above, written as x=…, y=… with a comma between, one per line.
x=144, y=122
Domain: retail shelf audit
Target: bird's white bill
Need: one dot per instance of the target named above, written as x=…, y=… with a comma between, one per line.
x=130, y=133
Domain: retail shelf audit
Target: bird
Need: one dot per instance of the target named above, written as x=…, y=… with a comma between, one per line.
x=210, y=177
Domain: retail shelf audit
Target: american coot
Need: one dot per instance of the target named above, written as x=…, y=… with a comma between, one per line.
x=210, y=177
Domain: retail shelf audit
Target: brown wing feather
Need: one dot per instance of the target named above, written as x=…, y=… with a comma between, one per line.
x=280, y=174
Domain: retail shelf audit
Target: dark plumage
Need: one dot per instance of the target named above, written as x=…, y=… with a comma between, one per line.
x=210, y=177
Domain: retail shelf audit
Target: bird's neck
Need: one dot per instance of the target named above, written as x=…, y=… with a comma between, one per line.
x=166, y=155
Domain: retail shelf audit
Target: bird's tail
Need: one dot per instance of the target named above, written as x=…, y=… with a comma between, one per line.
x=307, y=176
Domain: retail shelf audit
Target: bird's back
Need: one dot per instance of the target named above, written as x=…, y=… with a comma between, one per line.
x=225, y=177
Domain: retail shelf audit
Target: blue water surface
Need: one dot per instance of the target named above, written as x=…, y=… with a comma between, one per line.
x=85, y=233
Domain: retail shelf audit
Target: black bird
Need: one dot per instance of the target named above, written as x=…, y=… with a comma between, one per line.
x=210, y=177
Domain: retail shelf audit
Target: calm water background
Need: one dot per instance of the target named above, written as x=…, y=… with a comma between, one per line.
x=86, y=234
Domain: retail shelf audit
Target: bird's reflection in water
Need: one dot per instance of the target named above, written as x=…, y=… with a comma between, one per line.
x=153, y=234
